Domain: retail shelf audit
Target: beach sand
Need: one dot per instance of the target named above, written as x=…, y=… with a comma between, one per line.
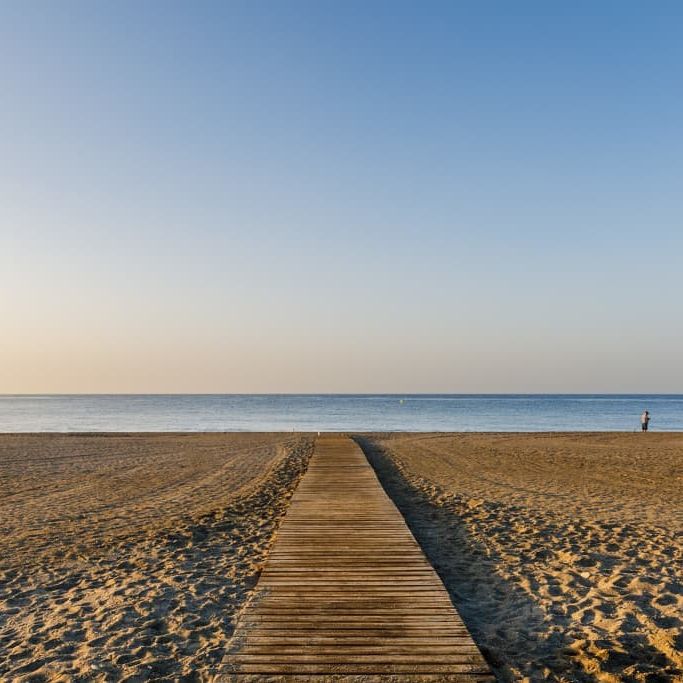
x=128, y=557
x=562, y=552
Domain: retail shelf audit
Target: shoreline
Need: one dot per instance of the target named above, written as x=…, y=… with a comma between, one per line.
x=337, y=432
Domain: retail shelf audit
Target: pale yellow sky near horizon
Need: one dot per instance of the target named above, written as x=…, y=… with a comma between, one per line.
x=96, y=362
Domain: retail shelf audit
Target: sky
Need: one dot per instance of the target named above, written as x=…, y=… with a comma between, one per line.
x=385, y=196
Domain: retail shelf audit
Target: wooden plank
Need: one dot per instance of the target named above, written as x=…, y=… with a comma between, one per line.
x=347, y=591
x=342, y=640
x=370, y=634
x=318, y=658
x=356, y=668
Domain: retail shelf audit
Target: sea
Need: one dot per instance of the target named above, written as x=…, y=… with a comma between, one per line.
x=338, y=412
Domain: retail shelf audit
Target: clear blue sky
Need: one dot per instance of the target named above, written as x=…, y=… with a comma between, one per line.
x=341, y=196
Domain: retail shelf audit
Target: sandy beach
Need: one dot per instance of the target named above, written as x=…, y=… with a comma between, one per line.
x=562, y=552
x=127, y=557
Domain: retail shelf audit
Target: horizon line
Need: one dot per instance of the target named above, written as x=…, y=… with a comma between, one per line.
x=367, y=393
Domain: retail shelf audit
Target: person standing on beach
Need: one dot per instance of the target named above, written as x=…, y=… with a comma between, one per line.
x=644, y=420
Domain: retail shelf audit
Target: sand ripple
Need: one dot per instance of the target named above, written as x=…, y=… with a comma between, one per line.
x=128, y=557
x=563, y=553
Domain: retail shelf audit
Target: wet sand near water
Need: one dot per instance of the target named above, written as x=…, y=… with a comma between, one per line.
x=562, y=552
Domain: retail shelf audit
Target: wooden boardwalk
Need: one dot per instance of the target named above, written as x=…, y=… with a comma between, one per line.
x=346, y=592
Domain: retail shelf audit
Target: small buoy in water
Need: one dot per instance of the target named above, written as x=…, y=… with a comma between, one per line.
x=401, y=401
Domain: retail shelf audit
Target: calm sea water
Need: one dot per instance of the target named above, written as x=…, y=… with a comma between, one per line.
x=439, y=412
